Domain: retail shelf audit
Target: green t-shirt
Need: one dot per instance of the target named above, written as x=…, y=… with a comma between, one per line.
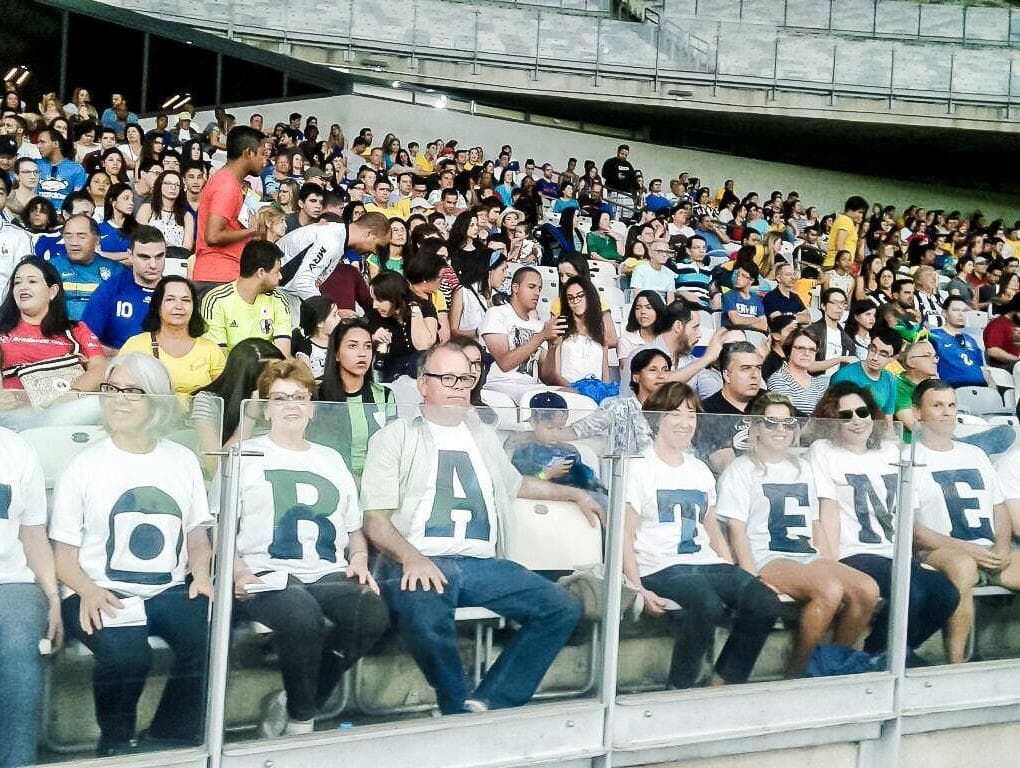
x=603, y=245
x=904, y=399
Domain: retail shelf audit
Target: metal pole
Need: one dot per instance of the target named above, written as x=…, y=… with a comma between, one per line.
x=658, y=46
x=350, y=30
x=740, y=11
x=65, y=26
x=538, y=39
x=219, y=79
x=832, y=84
x=785, y=10
x=963, y=32
x=143, y=102
x=219, y=639
x=598, y=47
x=414, y=36
x=474, y=63
x=775, y=70
x=892, y=74
x=718, y=42
x=874, y=18
x=1009, y=91
x=949, y=103
x=830, y=15
x=918, y=20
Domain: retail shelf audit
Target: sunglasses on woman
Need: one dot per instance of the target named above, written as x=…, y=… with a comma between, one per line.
x=861, y=412
x=772, y=423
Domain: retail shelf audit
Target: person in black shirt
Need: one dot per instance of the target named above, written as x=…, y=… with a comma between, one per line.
x=618, y=174
x=723, y=437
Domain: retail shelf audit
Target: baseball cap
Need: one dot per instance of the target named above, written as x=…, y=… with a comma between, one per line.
x=183, y=115
x=547, y=400
x=8, y=148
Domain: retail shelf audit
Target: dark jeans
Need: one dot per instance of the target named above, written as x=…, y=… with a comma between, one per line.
x=123, y=660
x=23, y=620
x=546, y=612
x=313, y=656
x=711, y=595
x=933, y=599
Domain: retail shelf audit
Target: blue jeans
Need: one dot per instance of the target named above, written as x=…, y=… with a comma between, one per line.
x=23, y=612
x=546, y=612
x=123, y=660
x=710, y=596
x=933, y=599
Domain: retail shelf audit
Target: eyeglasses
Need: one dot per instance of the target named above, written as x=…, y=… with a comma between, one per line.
x=280, y=397
x=926, y=355
x=575, y=299
x=132, y=394
x=873, y=350
x=451, y=381
x=772, y=424
x=804, y=348
x=861, y=412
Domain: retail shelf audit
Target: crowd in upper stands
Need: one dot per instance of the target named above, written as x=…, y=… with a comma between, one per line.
x=290, y=263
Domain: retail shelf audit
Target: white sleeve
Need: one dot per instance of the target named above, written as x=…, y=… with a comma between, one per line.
x=995, y=488
x=820, y=460
x=494, y=321
x=637, y=479
x=733, y=499
x=30, y=496
x=197, y=514
x=1008, y=470
x=349, y=506
x=67, y=523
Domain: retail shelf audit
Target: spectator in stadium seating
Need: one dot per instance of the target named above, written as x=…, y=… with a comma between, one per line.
x=581, y=352
x=646, y=321
x=920, y=363
x=397, y=253
x=567, y=198
x=167, y=212
x=846, y=229
x=962, y=524
x=26, y=176
x=15, y=243
x=870, y=374
x=740, y=308
x=480, y=282
x=561, y=239
x=1000, y=337
x=794, y=379
x=109, y=497
x=903, y=296
x=782, y=300
x=926, y=297
x=221, y=234
x=724, y=436
x=961, y=284
x=854, y=469
x=602, y=240
x=16, y=127
x=515, y=336
x=780, y=328
x=782, y=548
x=41, y=219
x=836, y=346
x=682, y=333
x=250, y=306
x=117, y=308
x=715, y=237
x=308, y=342
x=59, y=175
x=29, y=600
x=961, y=360
x=309, y=207
x=431, y=564
x=654, y=274
x=328, y=581
x=618, y=174
x=81, y=268
x=675, y=549
x=403, y=323
x=883, y=294
x=862, y=319
x=118, y=222
x=173, y=331
x=348, y=379
x=840, y=275
x=576, y=265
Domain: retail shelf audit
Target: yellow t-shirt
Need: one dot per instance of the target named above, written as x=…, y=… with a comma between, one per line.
x=390, y=213
x=424, y=166
x=194, y=370
x=232, y=319
x=841, y=223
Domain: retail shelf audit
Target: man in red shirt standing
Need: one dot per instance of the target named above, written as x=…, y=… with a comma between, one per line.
x=222, y=221
x=1002, y=337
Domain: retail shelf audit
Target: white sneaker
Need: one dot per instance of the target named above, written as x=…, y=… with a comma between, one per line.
x=274, y=715
x=475, y=705
x=299, y=727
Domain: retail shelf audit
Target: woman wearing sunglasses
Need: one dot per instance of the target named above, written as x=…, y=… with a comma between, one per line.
x=768, y=498
x=856, y=479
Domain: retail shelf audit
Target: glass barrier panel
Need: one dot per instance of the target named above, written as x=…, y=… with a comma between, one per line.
x=804, y=13
x=867, y=64
x=509, y=33
x=920, y=73
x=391, y=568
x=987, y=24
x=114, y=660
x=984, y=72
x=627, y=44
x=896, y=18
x=852, y=15
x=758, y=547
x=748, y=56
x=573, y=42
x=938, y=19
x=805, y=58
x=966, y=489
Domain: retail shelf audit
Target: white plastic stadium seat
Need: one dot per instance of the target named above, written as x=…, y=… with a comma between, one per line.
x=56, y=446
x=976, y=319
x=614, y=296
x=552, y=536
x=550, y=288
x=502, y=404
x=980, y=401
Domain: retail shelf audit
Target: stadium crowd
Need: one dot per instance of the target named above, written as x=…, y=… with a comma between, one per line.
x=289, y=264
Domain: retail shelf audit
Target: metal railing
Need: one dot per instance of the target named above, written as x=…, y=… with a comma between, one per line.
x=898, y=19
x=719, y=55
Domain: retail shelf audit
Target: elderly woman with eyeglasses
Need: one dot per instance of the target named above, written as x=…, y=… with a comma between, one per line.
x=300, y=562
x=794, y=378
x=769, y=499
x=129, y=522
